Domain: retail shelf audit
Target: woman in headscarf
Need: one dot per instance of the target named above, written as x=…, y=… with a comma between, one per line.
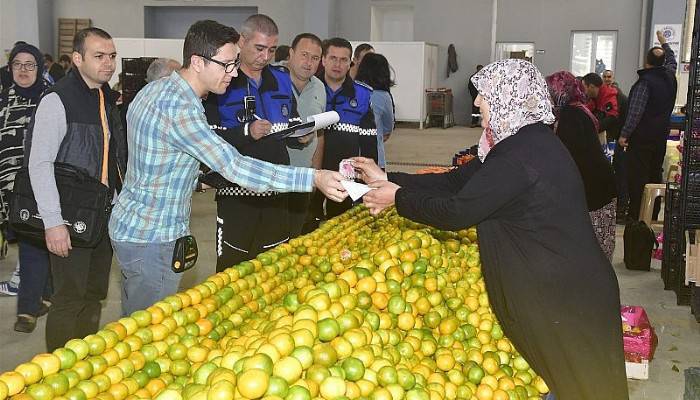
x=549, y=284
x=17, y=104
x=577, y=128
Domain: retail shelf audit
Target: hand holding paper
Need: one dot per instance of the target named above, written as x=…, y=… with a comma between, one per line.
x=355, y=190
x=368, y=170
x=382, y=197
x=329, y=183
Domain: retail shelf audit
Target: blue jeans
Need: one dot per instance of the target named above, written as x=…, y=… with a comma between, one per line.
x=146, y=274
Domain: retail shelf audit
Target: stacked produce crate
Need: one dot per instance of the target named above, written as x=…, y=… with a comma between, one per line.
x=690, y=197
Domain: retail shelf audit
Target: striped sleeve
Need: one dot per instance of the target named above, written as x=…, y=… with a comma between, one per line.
x=191, y=134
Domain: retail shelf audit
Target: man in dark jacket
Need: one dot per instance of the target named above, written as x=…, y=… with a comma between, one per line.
x=651, y=102
x=258, y=102
x=77, y=123
x=55, y=70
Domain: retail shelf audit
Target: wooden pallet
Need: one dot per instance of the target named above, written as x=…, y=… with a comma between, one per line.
x=67, y=28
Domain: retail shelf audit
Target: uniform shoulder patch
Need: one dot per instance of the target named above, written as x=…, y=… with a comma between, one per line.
x=364, y=85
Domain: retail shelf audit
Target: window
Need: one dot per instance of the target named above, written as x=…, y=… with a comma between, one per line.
x=524, y=51
x=592, y=51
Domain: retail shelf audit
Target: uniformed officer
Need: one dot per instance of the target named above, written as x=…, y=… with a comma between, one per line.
x=260, y=101
x=355, y=134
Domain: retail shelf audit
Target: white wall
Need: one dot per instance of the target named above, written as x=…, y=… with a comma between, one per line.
x=125, y=18
x=465, y=24
x=18, y=21
x=548, y=24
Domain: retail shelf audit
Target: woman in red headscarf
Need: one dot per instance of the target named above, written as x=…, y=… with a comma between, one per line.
x=577, y=128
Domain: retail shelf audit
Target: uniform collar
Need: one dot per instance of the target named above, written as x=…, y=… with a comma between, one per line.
x=268, y=81
x=347, y=89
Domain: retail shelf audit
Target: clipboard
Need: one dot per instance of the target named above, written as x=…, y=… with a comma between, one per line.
x=312, y=123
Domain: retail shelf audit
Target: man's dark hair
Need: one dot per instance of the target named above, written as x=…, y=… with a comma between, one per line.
x=336, y=42
x=282, y=53
x=79, y=38
x=48, y=57
x=306, y=35
x=375, y=71
x=656, y=56
x=64, y=57
x=361, y=48
x=204, y=38
x=593, y=79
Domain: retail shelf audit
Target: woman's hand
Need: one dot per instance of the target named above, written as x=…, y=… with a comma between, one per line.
x=382, y=196
x=368, y=169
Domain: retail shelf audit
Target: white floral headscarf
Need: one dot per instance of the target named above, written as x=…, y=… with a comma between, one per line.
x=517, y=96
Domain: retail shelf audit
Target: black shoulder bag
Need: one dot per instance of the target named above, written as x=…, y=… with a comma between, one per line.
x=85, y=206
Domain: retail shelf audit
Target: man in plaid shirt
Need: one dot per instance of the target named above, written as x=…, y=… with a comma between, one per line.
x=648, y=122
x=168, y=137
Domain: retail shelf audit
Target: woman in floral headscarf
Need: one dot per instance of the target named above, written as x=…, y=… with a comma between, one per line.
x=549, y=284
x=577, y=128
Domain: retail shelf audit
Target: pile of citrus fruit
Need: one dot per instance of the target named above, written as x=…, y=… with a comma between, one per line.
x=362, y=308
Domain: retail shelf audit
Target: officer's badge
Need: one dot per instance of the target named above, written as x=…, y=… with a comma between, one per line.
x=353, y=103
x=285, y=110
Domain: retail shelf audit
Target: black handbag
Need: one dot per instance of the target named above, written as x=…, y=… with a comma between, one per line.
x=85, y=206
x=639, y=243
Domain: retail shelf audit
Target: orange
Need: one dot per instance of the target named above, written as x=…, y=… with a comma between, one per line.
x=14, y=382
x=253, y=383
x=30, y=371
x=49, y=363
x=205, y=326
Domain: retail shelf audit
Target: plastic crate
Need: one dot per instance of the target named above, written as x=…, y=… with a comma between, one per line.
x=695, y=301
x=674, y=240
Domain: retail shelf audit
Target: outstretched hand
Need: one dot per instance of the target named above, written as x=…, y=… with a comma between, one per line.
x=328, y=182
x=368, y=169
x=381, y=197
x=661, y=37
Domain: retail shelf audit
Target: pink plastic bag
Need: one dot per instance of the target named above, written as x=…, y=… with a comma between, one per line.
x=638, y=335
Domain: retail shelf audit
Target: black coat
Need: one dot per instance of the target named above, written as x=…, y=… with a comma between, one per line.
x=577, y=132
x=548, y=281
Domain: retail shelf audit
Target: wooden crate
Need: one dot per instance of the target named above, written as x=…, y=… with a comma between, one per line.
x=67, y=28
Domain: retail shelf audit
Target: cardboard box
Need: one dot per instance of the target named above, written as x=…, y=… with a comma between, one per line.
x=638, y=371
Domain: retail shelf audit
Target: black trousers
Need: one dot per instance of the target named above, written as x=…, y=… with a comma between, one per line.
x=644, y=165
x=249, y=225
x=80, y=283
x=299, y=204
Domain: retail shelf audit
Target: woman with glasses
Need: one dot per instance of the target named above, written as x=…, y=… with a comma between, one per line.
x=17, y=104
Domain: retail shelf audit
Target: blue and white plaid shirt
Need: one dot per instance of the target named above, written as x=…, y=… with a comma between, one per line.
x=168, y=136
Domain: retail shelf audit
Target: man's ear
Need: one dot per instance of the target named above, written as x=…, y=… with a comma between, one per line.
x=77, y=58
x=196, y=63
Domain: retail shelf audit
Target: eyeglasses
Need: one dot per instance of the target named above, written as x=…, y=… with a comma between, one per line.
x=228, y=67
x=27, y=67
